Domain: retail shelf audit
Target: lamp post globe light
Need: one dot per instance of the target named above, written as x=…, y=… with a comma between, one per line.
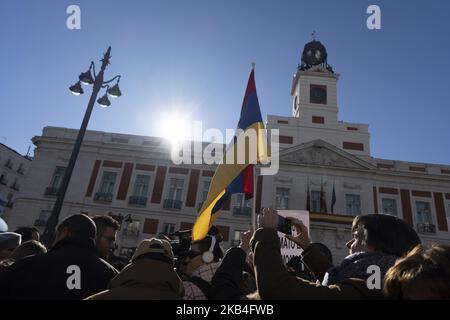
x=85, y=78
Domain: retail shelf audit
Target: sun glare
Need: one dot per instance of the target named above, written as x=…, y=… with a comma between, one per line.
x=175, y=127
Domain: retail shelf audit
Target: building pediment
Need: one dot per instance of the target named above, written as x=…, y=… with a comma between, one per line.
x=321, y=153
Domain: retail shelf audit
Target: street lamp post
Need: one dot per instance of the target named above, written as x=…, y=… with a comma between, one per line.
x=97, y=81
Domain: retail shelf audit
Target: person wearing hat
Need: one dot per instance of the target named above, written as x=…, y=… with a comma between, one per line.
x=150, y=275
x=8, y=242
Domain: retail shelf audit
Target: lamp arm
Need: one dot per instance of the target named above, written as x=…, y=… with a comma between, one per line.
x=93, y=68
x=118, y=76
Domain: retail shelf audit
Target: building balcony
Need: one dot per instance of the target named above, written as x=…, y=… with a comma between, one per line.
x=137, y=200
x=426, y=228
x=105, y=197
x=172, y=204
x=242, y=211
x=51, y=191
x=40, y=223
x=15, y=187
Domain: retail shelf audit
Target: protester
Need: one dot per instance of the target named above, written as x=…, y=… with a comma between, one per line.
x=231, y=281
x=8, y=242
x=378, y=240
x=200, y=266
x=374, y=242
x=106, y=235
x=28, y=233
x=150, y=275
x=28, y=248
x=423, y=274
x=70, y=270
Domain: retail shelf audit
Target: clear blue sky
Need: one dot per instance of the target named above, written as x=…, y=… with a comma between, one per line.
x=196, y=55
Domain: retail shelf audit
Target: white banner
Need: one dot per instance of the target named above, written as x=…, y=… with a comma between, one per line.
x=289, y=248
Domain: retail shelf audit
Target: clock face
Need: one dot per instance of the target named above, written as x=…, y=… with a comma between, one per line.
x=314, y=53
x=318, y=94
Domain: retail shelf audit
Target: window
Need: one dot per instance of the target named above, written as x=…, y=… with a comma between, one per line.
x=8, y=164
x=237, y=237
x=205, y=189
x=20, y=169
x=389, y=206
x=353, y=204
x=282, y=198
x=43, y=217
x=242, y=206
x=56, y=181
x=3, y=179
x=9, y=204
x=168, y=228
x=105, y=191
x=204, y=194
x=141, y=186
x=318, y=94
x=140, y=191
x=58, y=177
x=175, y=189
x=241, y=201
x=175, y=193
x=423, y=212
x=15, y=185
x=107, y=183
x=315, y=201
x=132, y=229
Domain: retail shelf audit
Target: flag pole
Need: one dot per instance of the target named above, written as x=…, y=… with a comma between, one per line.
x=254, y=199
x=254, y=185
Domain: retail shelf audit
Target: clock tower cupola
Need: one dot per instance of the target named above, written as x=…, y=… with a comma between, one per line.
x=314, y=86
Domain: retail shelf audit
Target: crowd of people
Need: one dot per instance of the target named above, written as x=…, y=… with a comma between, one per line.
x=78, y=264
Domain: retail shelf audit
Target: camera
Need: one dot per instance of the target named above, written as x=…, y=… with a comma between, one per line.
x=284, y=225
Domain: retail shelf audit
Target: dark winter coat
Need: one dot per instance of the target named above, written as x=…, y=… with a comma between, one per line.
x=50, y=276
x=275, y=282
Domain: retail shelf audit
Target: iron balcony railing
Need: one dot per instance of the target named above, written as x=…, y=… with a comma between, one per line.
x=105, y=197
x=242, y=211
x=426, y=228
x=141, y=201
x=172, y=204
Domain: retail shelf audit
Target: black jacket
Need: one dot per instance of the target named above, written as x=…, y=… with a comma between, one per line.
x=226, y=280
x=46, y=276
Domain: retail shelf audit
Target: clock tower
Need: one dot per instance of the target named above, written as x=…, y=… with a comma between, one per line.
x=315, y=108
x=314, y=87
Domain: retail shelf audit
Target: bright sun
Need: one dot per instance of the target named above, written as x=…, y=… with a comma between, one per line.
x=175, y=127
